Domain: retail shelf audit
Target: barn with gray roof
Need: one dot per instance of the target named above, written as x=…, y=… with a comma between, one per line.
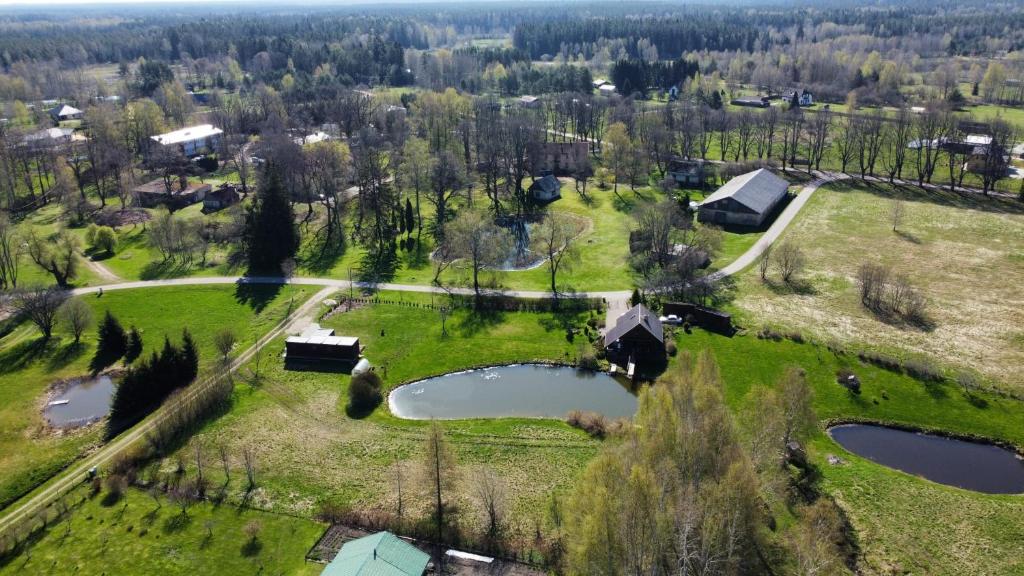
x=746, y=200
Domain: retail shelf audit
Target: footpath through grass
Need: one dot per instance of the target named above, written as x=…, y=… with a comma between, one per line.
x=30, y=451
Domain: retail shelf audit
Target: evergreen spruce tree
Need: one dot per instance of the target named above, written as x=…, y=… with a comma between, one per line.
x=112, y=340
x=189, y=358
x=134, y=345
x=270, y=233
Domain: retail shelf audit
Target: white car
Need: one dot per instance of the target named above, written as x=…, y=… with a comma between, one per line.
x=671, y=319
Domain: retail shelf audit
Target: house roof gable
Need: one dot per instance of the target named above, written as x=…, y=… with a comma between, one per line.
x=758, y=190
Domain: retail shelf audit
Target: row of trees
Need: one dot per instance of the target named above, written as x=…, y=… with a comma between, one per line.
x=147, y=384
x=685, y=491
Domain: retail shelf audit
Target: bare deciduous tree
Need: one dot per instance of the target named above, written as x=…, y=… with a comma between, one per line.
x=896, y=213
x=40, y=306
x=489, y=491
x=76, y=317
x=553, y=239
x=791, y=261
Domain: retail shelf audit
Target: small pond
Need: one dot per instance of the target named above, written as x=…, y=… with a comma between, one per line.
x=82, y=401
x=521, y=390
x=969, y=465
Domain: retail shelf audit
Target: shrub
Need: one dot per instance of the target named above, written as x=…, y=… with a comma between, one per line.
x=923, y=370
x=768, y=333
x=670, y=347
x=588, y=361
x=364, y=392
x=594, y=424
x=796, y=337
x=105, y=240
x=885, y=361
x=90, y=234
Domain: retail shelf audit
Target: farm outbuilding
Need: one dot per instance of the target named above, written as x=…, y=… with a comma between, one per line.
x=746, y=200
x=318, y=343
x=380, y=554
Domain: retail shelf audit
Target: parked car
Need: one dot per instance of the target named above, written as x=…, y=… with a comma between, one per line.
x=671, y=319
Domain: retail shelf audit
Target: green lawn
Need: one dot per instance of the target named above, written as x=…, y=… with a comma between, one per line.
x=29, y=451
x=136, y=536
x=310, y=451
x=903, y=524
x=603, y=249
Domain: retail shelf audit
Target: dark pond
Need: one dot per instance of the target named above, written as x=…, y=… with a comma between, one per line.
x=970, y=465
x=82, y=402
x=523, y=390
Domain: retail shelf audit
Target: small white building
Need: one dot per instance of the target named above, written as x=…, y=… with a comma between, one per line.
x=606, y=89
x=64, y=112
x=192, y=140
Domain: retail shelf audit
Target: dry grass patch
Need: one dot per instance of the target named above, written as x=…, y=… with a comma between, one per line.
x=964, y=253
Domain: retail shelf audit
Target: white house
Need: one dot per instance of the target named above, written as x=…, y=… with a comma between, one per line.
x=192, y=140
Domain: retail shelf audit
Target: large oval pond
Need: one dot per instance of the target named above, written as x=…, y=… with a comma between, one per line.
x=82, y=402
x=970, y=465
x=521, y=390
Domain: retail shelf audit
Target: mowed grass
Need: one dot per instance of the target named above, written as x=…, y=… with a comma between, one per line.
x=965, y=252
x=30, y=452
x=903, y=524
x=310, y=451
x=138, y=535
x=602, y=249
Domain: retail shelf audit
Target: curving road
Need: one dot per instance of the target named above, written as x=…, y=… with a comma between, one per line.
x=76, y=473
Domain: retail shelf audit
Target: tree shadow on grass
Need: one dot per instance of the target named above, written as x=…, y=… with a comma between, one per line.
x=22, y=354
x=319, y=257
x=177, y=523
x=101, y=360
x=908, y=237
x=378, y=266
x=252, y=547
x=157, y=270
x=257, y=296
x=475, y=321
x=64, y=355
x=795, y=286
x=622, y=204
x=942, y=196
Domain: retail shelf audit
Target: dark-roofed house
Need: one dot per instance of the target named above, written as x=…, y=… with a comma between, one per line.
x=380, y=554
x=182, y=193
x=637, y=336
x=751, y=101
x=559, y=158
x=317, y=343
x=546, y=189
x=223, y=196
x=686, y=172
x=746, y=200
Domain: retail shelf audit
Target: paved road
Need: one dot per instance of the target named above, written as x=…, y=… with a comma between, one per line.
x=778, y=226
x=616, y=305
x=77, y=473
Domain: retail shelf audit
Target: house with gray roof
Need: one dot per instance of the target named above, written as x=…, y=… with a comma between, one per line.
x=746, y=200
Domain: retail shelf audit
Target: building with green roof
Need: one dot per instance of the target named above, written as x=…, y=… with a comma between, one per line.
x=380, y=554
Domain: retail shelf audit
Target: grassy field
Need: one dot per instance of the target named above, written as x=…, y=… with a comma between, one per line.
x=965, y=253
x=136, y=535
x=30, y=451
x=903, y=524
x=311, y=452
